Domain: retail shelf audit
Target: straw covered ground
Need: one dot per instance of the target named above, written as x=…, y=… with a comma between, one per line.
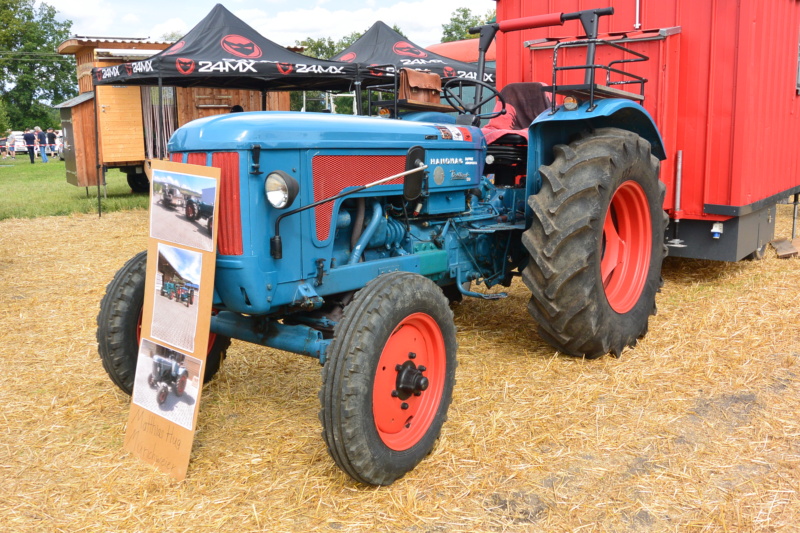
x=696, y=429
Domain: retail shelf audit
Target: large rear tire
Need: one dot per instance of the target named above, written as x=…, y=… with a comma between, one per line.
x=119, y=326
x=388, y=378
x=596, y=244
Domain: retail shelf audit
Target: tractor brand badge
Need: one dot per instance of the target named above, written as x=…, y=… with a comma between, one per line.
x=285, y=68
x=348, y=58
x=449, y=72
x=445, y=133
x=467, y=136
x=403, y=48
x=129, y=68
x=174, y=48
x=185, y=66
x=240, y=46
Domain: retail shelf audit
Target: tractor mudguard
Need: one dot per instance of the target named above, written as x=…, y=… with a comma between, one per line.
x=561, y=127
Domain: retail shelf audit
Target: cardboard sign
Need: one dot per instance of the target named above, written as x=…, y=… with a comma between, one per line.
x=181, y=258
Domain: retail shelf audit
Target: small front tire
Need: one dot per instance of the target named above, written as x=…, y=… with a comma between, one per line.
x=388, y=379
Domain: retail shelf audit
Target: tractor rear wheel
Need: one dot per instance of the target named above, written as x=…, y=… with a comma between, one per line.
x=596, y=244
x=119, y=327
x=180, y=386
x=388, y=378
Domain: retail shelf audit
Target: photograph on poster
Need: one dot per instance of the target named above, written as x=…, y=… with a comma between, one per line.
x=177, y=287
x=167, y=383
x=182, y=209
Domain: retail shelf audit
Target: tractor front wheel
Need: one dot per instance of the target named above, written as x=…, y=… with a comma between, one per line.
x=162, y=394
x=596, y=244
x=388, y=378
x=119, y=327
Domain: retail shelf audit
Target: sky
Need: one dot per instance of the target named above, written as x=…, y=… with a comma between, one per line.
x=282, y=21
x=186, y=262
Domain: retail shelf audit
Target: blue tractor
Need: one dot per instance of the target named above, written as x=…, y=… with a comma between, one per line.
x=345, y=238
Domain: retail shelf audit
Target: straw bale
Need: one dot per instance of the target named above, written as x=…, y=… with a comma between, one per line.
x=693, y=429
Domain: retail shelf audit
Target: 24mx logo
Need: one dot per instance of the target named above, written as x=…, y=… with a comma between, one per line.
x=227, y=65
x=240, y=46
x=108, y=72
x=185, y=66
x=141, y=66
x=403, y=48
x=319, y=69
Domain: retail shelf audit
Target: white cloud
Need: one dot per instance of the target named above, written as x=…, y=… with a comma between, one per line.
x=169, y=26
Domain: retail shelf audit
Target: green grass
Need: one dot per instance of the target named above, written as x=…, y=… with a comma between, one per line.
x=29, y=191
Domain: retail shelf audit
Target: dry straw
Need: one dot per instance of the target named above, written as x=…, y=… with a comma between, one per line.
x=695, y=429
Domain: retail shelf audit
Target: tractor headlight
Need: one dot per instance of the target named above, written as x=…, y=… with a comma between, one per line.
x=281, y=189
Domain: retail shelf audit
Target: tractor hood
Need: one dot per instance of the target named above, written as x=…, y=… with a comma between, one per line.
x=288, y=130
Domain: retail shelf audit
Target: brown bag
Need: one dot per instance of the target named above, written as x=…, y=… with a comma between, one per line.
x=419, y=86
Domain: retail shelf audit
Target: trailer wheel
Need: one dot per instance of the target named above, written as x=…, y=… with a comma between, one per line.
x=119, y=327
x=138, y=182
x=596, y=244
x=388, y=378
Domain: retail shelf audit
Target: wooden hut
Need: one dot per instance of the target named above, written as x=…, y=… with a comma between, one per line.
x=126, y=131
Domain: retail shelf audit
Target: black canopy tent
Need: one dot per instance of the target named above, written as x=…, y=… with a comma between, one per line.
x=381, y=45
x=222, y=51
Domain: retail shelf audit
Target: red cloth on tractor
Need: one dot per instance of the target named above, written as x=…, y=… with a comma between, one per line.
x=524, y=102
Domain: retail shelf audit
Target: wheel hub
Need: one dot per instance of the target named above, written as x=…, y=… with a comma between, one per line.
x=410, y=379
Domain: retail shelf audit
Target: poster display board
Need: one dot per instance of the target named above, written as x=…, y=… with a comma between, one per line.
x=181, y=257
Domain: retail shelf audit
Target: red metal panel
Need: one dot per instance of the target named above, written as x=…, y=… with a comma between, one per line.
x=229, y=225
x=334, y=173
x=723, y=93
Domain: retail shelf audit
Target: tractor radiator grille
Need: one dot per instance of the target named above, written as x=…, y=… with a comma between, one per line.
x=229, y=225
x=334, y=173
x=197, y=158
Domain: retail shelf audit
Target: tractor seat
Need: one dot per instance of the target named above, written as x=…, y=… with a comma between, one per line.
x=524, y=102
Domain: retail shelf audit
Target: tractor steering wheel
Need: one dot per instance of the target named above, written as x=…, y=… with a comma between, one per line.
x=448, y=90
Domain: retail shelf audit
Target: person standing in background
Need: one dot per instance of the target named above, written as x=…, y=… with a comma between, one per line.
x=51, y=142
x=11, y=143
x=41, y=139
x=4, y=145
x=30, y=143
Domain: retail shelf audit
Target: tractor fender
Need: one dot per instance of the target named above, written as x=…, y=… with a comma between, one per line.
x=548, y=130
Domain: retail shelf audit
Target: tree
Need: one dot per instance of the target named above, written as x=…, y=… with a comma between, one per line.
x=461, y=20
x=172, y=36
x=5, y=125
x=34, y=75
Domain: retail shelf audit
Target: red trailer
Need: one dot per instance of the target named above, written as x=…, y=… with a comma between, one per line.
x=722, y=85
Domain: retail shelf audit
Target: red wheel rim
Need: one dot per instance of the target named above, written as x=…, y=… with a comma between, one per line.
x=182, y=384
x=401, y=428
x=627, y=244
